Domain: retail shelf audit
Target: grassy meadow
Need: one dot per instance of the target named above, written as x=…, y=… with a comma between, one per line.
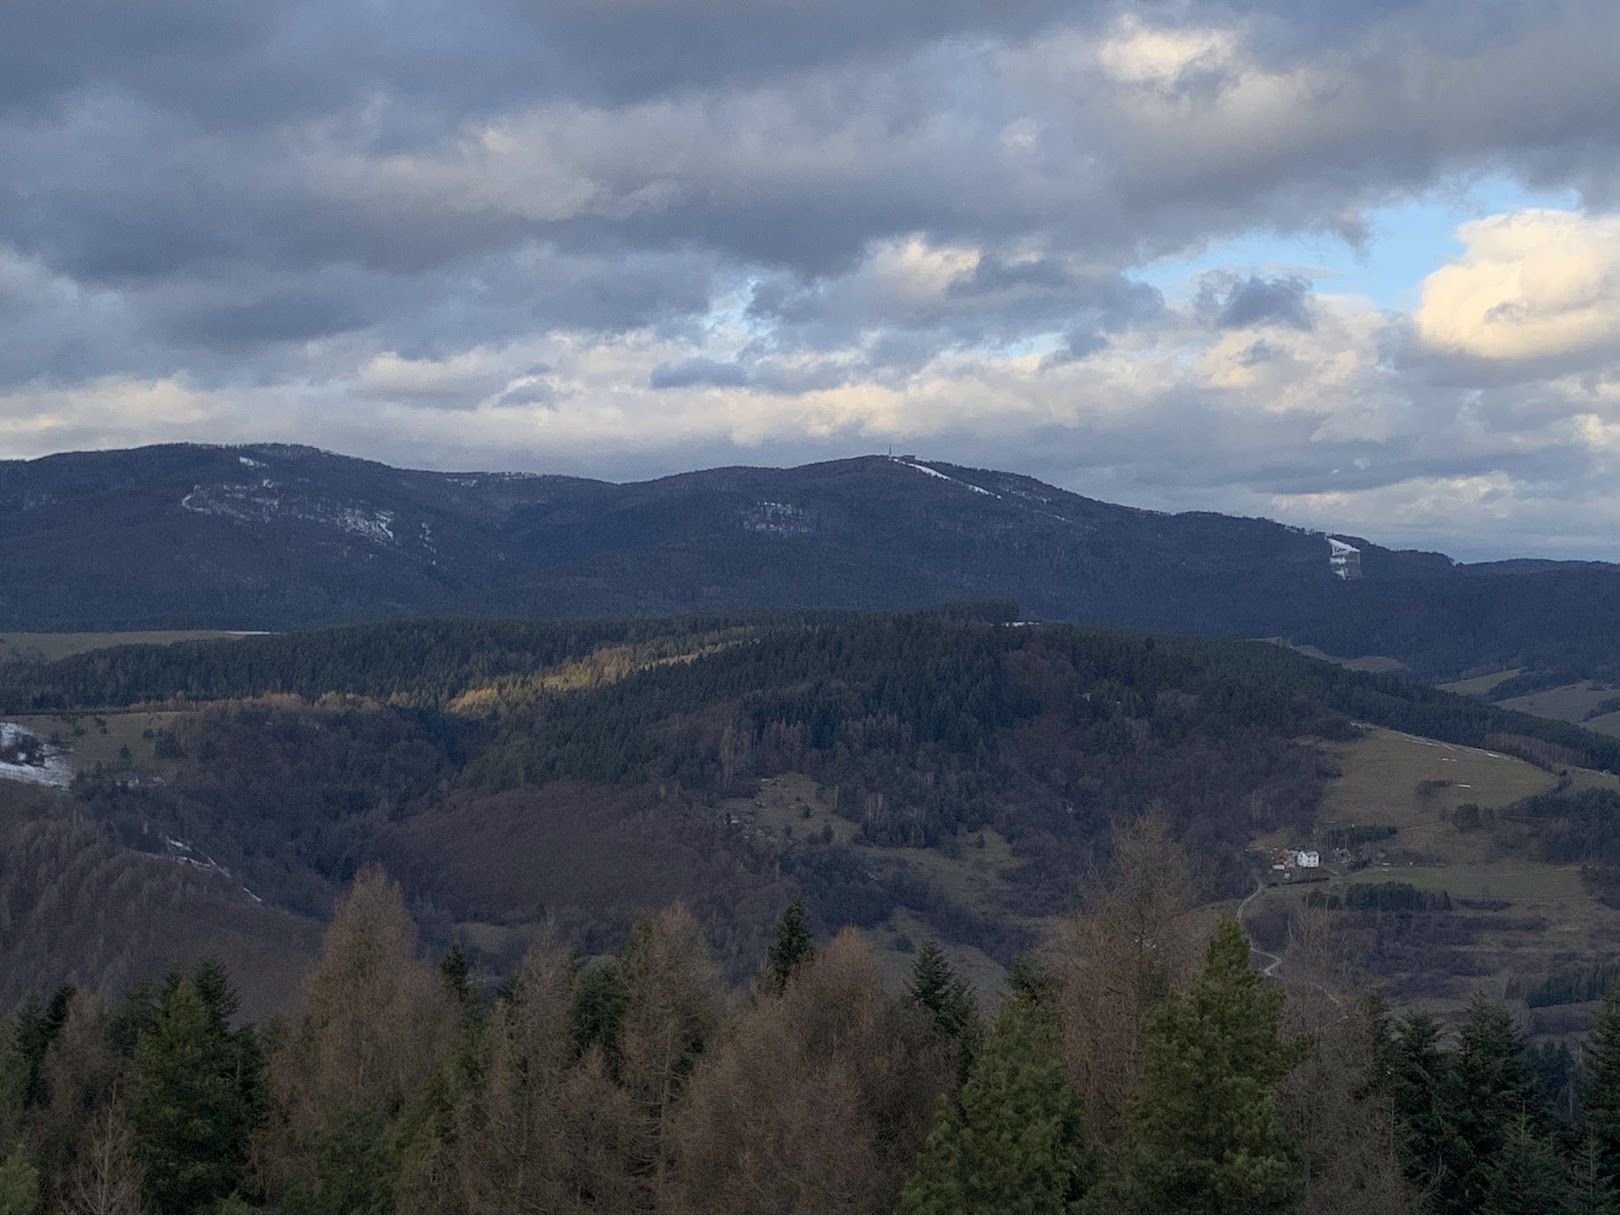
x=18, y=647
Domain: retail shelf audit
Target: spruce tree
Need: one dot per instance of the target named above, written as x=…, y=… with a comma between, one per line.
x=191, y=1106
x=1527, y=1175
x=791, y=949
x=1205, y=1137
x=1591, y=1192
x=457, y=976
x=1491, y=1090
x=36, y=1029
x=936, y=986
x=1601, y=1095
x=1013, y=1144
x=1419, y=1078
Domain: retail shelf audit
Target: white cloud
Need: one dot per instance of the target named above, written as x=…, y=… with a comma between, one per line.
x=1531, y=285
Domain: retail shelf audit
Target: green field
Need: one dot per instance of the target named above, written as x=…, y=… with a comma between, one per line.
x=1414, y=784
x=1530, y=918
x=1572, y=702
x=1375, y=663
x=1509, y=880
x=1480, y=685
x=94, y=739
x=51, y=646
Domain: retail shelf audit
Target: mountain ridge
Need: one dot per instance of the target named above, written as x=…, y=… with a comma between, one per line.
x=276, y=536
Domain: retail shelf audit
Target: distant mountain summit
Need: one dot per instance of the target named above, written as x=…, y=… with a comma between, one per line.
x=281, y=537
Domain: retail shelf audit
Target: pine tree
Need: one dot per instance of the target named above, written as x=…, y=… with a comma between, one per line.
x=191, y=1107
x=1601, y=1095
x=936, y=986
x=36, y=1029
x=1013, y=1144
x=1591, y=1192
x=1205, y=1137
x=792, y=948
x=1491, y=1089
x=457, y=975
x=1420, y=1084
x=1527, y=1175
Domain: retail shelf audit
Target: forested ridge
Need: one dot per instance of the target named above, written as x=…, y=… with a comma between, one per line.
x=1136, y=1063
x=431, y=663
x=475, y=758
x=277, y=537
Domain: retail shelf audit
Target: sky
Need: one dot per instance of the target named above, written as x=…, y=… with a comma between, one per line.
x=1353, y=266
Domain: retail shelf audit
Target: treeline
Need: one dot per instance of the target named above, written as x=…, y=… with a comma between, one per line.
x=431, y=663
x=1440, y=627
x=419, y=662
x=1401, y=704
x=927, y=730
x=1564, y=828
x=1575, y=986
x=1137, y=1065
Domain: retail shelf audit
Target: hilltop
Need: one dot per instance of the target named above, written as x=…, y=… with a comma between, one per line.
x=281, y=537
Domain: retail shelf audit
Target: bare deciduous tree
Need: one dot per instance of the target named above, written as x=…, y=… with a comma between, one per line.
x=1332, y=1100
x=375, y=1019
x=1138, y=942
x=816, y=1103
x=105, y=1178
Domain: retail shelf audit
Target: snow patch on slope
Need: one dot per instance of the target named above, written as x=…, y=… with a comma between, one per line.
x=778, y=518
x=270, y=500
x=934, y=472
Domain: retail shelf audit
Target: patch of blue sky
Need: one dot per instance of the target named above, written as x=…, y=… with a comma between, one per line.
x=1405, y=241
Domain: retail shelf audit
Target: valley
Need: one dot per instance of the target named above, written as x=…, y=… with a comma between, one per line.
x=582, y=774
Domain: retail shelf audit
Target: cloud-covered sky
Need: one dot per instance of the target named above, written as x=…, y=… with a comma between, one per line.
x=1353, y=266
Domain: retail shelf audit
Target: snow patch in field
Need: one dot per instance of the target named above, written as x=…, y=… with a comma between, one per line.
x=51, y=769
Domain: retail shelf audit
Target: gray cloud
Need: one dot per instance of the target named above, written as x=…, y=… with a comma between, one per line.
x=1258, y=301
x=698, y=373
x=924, y=217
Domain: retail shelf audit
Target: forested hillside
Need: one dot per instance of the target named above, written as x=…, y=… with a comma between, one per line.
x=1138, y=1065
x=277, y=537
x=585, y=773
x=596, y=826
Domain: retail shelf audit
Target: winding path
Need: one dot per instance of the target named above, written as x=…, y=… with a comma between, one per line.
x=1270, y=970
x=1259, y=889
